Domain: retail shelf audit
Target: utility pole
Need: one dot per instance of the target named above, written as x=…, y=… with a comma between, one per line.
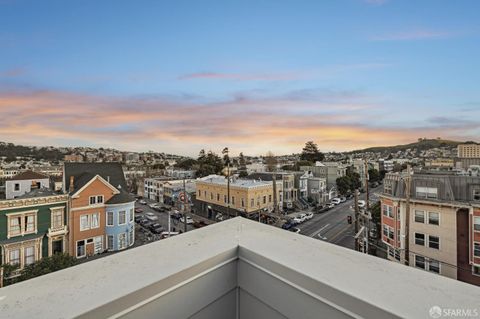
x=408, y=186
x=366, y=185
x=184, y=206
x=227, y=159
x=357, y=215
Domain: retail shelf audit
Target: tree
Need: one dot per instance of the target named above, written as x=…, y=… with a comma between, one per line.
x=311, y=153
x=302, y=163
x=271, y=161
x=348, y=183
x=242, y=166
x=208, y=164
x=374, y=175
x=186, y=163
x=47, y=265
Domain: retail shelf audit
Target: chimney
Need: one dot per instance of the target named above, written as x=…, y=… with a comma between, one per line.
x=71, y=188
x=108, y=179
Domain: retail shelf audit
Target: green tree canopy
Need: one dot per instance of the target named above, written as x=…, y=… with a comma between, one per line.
x=311, y=153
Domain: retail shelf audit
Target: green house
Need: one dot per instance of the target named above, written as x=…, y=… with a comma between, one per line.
x=33, y=226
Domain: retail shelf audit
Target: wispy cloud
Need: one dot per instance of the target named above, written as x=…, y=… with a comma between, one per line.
x=420, y=34
x=240, y=76
x=337, y=120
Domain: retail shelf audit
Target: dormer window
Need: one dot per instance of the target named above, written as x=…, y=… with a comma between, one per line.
x=94, y=200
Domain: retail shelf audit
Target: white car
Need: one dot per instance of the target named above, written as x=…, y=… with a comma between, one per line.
x=336, y=201
x=189, y=220
x=142, y=202
x=308, y=216
x=361, y=203
x=297, y=220
x=154, y=205
x=303, y=217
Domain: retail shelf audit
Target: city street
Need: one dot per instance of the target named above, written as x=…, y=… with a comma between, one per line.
x=332, y=226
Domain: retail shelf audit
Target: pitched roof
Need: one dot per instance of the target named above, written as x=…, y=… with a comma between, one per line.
x=84, y=172
x=122, y=197
x=28, y=175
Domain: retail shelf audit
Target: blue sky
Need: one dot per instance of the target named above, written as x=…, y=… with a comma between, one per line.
x=254, y=75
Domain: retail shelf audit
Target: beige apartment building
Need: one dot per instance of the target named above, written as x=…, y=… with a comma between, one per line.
x=469, y=150
x=247, y=196
x=442, y=232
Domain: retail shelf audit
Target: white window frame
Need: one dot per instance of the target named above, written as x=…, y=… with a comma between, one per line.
x=96, y=241
x=437, y=248
x=84, y=248
x=430, y=264
x=475, y=270
x=96, y=200
x=113, y=219
x=387, y=210
x=424, y=262
x=87, y=227
x=124, y=217
x=476, y=222
x=112, y=237
x=415, y=216
x=131, y=237
x=92, y=218
x=55, y=215
x=120, y=247
x=130, y=216
x=23, y=223
x=478, y=250
x=438, y=214
x=25, y=256
x=415, y=239
x=19, y=256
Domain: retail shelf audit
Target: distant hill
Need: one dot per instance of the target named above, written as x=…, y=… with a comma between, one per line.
x=423, y=144
x=11, y=151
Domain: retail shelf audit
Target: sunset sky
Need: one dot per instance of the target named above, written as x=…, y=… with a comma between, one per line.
x=178, y=76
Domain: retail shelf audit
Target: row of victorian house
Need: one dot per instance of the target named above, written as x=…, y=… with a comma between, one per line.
x=92, y=214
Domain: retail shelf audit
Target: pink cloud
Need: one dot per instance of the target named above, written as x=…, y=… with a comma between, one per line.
x=250, y=124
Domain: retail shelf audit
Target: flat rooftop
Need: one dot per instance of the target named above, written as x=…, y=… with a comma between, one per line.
x=245, y=183
x=237, y=269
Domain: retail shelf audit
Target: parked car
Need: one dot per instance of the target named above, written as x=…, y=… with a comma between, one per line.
x=295, y=230
x=289, y=224
x=189, y=220
x=219, y=217
x=335, y=201
x=308, y=216
x=166, y=233
x=138, y=210
x=297, y=220
x=330, y=205
x=156, y=228
x=154, y=225
x=152, y=218
x=303, y=217
x=199, y=224
x=146, y=223
x=142, y=202
x=361, y=203
x=343, y=199
x=153, y=205
x=138, y=218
